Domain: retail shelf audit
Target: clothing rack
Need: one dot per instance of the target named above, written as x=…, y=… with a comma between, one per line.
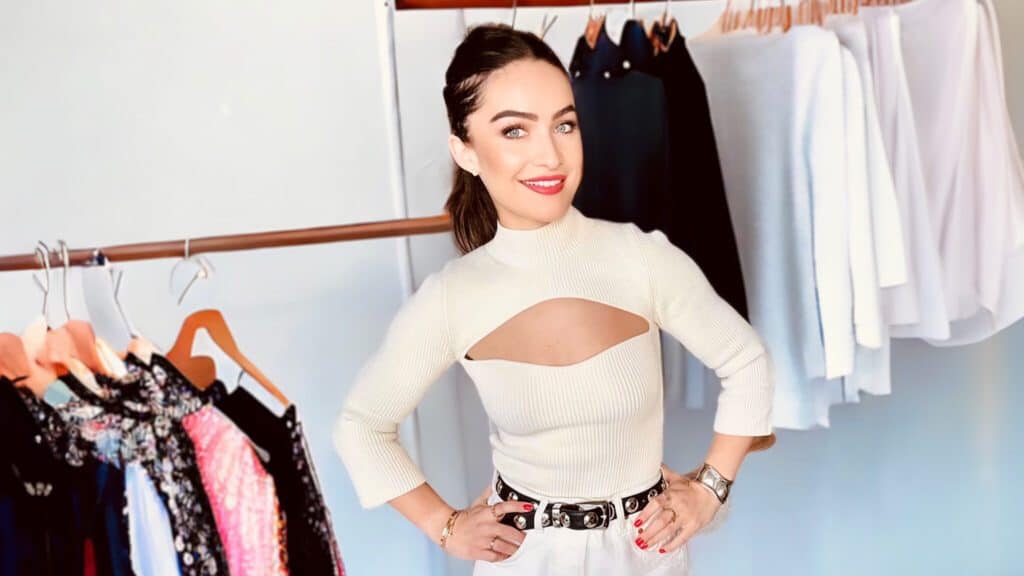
x=230, y=243
x=510, y=4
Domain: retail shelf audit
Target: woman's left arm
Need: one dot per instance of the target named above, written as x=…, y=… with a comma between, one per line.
x=687, y=306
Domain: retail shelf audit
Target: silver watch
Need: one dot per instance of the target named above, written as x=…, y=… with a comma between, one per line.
x=713, y=480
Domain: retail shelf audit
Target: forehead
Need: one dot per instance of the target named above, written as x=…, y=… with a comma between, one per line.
x=527, y=86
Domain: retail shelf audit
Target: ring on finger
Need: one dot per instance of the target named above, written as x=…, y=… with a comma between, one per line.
x=674, y=515
x=494, y=510
x=493, y=540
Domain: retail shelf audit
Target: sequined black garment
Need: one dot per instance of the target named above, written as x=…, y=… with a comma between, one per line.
x=312, y=548
x=150, y=433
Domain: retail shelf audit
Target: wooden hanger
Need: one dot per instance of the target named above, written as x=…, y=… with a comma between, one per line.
x=17, y=365
x=14, y=362
x=84, y=340
x=201, y=370
x=58, y=353
x=593, y=30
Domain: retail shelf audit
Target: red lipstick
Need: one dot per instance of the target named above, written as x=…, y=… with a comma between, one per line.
x=547, y=185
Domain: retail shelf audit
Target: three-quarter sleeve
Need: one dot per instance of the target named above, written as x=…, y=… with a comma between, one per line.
x=687, y=306
x=414, y=353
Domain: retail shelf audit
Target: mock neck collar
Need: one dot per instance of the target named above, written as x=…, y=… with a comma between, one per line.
x=541, y=245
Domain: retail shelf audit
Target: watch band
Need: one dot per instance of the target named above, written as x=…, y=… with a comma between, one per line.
x=709, y=477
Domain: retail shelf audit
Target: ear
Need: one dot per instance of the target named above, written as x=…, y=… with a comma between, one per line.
x=463, y=154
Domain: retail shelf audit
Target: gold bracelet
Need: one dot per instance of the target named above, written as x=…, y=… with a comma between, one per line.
x=449, y=528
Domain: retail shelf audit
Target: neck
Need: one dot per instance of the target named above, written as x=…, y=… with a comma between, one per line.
x=537, y=246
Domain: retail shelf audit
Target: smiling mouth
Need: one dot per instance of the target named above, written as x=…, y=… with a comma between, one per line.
x=547, y=185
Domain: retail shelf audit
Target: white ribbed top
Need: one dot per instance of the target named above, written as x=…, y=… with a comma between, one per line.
x=583, y=430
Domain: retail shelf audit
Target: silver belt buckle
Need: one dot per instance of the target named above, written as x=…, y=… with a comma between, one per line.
x=590, y=517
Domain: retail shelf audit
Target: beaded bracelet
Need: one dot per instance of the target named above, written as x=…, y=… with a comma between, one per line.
x=449, y=528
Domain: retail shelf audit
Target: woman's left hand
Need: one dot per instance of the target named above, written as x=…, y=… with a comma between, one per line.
x=674, y=516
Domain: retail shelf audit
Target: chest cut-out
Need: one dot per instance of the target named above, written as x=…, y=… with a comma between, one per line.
x=558, y=332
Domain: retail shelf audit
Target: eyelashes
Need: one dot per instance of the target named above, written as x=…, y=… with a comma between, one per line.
x=517, y=131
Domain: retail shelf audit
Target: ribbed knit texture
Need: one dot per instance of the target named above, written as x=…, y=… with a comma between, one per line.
x=583, y=430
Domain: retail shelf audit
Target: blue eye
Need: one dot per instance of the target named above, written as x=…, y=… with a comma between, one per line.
x=571, y=124
x=508, y=132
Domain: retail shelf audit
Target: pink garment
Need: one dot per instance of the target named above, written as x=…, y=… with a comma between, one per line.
x=241, y=493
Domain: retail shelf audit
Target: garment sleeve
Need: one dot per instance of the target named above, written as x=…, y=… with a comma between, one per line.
x=414, y=353
x=687, y=306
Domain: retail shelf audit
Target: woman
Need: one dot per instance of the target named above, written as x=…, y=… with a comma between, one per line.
x=556, y=318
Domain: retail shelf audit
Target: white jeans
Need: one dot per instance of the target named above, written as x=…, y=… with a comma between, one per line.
x=555, y=551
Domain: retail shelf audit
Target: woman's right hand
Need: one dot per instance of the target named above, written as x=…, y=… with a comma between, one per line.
x=477, y=526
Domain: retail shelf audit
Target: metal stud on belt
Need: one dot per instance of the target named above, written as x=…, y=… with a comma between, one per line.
x=632, y=504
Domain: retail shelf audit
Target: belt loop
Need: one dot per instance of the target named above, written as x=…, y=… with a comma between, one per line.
x=539, y=509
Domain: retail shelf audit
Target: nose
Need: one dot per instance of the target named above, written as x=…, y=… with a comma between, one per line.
x=548, y=154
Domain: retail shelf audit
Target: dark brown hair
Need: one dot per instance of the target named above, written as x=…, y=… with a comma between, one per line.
x=486, y=48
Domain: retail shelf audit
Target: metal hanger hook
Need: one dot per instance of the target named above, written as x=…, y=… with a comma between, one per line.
x=43, y=254
x=205, y=270
x=515, y=7
x=65, y=258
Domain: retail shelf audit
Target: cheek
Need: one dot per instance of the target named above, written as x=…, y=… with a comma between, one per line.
x=503, y=160
x=571, y=151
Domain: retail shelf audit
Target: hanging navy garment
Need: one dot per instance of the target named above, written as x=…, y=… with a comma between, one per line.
x=54, y=498
x=649, y=151
x=696, y=218
x=40, y=515
x=625, y=148
x=312, y=548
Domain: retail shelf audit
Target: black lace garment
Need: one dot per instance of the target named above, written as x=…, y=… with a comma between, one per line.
x=312, y=548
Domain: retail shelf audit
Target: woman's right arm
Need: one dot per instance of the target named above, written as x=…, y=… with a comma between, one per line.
x=415, y=352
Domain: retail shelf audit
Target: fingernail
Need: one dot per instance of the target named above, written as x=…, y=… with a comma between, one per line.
x=638, y=542
x=638, y=522
x=644, y=547
x=528, y=506
x=661, y=550
x=640, y=531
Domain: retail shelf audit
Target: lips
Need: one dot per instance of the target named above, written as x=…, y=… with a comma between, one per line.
x=546, y=185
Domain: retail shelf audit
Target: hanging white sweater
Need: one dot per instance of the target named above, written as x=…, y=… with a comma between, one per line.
x=777, y=109
x=586, y=429
x=998, y=191
x=879, y=242
x=916, y=308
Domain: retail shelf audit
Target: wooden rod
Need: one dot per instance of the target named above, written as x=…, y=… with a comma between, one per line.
x=450, y=4
x=235, y=242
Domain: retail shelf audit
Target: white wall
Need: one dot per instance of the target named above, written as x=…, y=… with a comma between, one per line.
x=124, y=122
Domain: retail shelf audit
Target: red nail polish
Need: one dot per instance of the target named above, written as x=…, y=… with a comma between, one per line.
x=638, y=522
x=528, y=506
x=661, y=550
x=644, y=547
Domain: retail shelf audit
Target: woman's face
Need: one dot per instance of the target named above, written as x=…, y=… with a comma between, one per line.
x=524, y=143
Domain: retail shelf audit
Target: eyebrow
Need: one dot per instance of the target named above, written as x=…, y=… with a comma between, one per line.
x=529, y=116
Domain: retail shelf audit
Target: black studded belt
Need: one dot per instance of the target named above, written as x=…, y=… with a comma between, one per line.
x=576, y=516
